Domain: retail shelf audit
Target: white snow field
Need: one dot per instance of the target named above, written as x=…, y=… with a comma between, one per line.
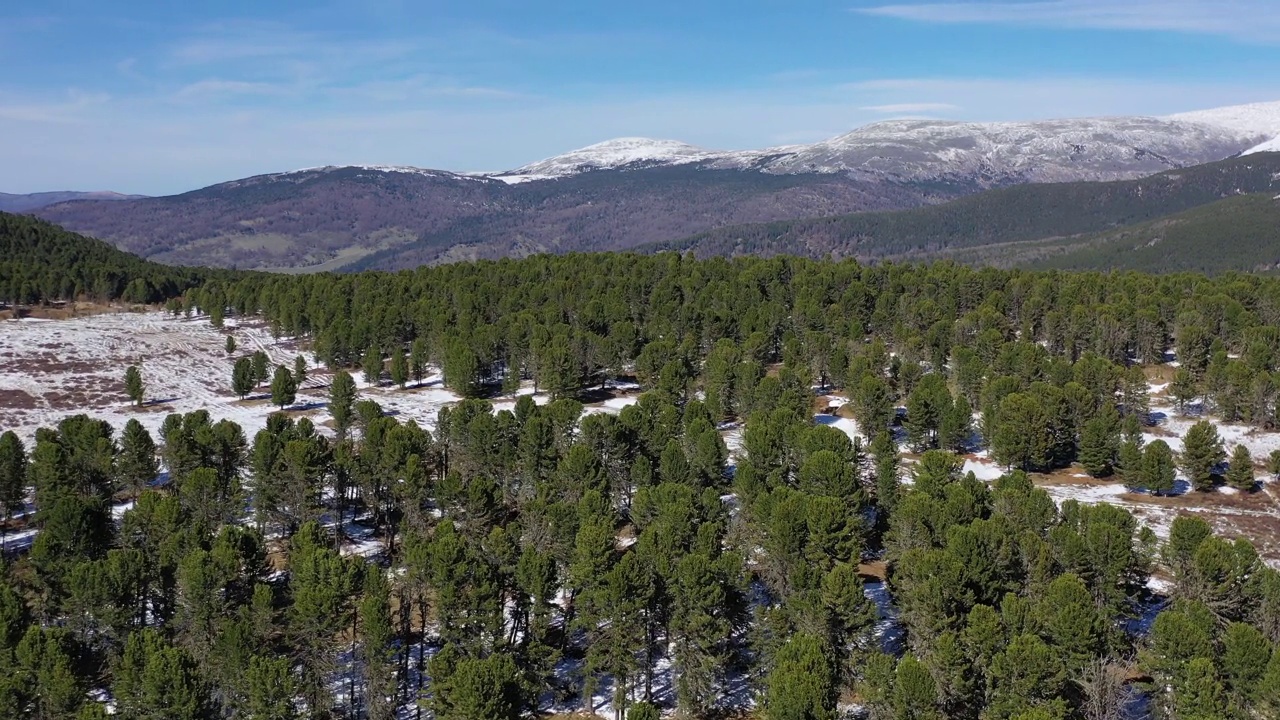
x=50, y=369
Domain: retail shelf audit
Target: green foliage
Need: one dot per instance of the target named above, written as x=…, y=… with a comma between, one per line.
x=1158, y=471
x=467, y=688
x=284, y=388
x=133, y=386
x=1202, y=451
x=1239, y=473
x=43, y=263
x=243, y=377
x=800, y=686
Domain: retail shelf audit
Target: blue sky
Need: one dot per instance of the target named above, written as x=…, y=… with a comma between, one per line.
x=159, y=97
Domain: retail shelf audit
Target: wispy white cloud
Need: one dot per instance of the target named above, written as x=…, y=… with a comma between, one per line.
x=65, y=110
x=213, y=89
x=154, y=145
x=912, y=107
x=1247, y=20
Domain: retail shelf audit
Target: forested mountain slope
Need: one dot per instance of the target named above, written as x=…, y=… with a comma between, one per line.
x=40, y=262
x=992, y=218
x=390, y=218
x=27, y=202
x=1238, y=233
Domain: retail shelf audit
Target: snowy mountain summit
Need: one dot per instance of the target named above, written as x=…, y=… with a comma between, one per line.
x=992, y=153
x=616, y=154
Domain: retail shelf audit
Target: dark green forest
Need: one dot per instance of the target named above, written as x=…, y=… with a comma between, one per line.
x=541, y=557
x=1009, y=226
x=40, y=262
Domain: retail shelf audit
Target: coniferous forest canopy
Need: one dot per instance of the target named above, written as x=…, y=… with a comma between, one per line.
x=40, y=262
x=539, y=557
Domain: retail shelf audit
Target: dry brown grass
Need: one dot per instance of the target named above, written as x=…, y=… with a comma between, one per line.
x=877, y=570
x=66, y=311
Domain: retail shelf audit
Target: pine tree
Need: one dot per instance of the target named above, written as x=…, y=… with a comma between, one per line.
x=171, y=688
x=299, y=371
x=1240, y=472
x=44, y=674
x=243, y=377
x=399, y=366
x=376, y=633
x=260, y=362
x=1198, y=694
x=1245, y=652
x=1273, y=464
x=284, y=390
x=371, y=365
x=230, y=344
x=915, y=693
x=1134, y=393
x=887, y=480
x=873, y=405
x=271, y=688
x=418, y=359
x=1201, y=453
x=800, y=686
x=1183, y=388
x=1158, y=470
x=342, y=399
x=136, y=464
x=133, y=386
x=469, y=688
x=957, y=426
x=13, y=475
x=1099, y=445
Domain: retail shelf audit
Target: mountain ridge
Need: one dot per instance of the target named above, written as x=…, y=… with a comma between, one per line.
x=629, y=192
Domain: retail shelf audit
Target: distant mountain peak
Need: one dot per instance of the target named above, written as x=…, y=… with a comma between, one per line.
x=1261, y=118
x=614, y=154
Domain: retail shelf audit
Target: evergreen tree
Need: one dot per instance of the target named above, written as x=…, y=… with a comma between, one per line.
x=873, y=405
x=371, y=365
x=399, y=367
x=1245, y=653
x=376, y=648
x=1100, y=445
x=1183, y=388
x=271, y=689
x=418, y=359
x=915, y=693
x=243, y=377
x=260, y=362
x=13, y=475
x=1240, y=472
x=469, y=688
x=887, y=480
x=1198, y=693
x=230, y=344
x=133, y=386
x=299, y=371
x=1158, y=468
x=136, y=464
x=800, y=685
x=1273, y=464
x=284, y=390
x=342, y=399
x=1202, y=452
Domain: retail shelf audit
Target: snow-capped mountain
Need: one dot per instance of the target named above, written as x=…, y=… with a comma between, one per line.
x=1001, y=152
x=617, y=153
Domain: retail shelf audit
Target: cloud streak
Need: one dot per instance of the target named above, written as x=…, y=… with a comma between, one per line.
x=156, y=145
x=1252, y=21
x=919, y=107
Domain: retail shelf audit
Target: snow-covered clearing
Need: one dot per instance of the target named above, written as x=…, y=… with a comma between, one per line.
x=52, y=369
